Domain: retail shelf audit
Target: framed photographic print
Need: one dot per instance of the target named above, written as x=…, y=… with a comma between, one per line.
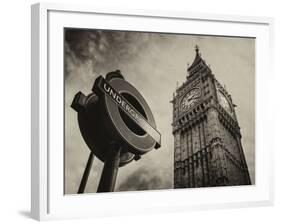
x=141, y=112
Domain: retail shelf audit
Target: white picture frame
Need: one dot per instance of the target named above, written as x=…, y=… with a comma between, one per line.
x=47, y=198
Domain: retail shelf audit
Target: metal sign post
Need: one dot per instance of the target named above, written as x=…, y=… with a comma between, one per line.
x=86, y=173
x=110, y=169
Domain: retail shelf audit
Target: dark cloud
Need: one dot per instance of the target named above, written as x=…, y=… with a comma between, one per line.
x=145, y=179
x=101, y=48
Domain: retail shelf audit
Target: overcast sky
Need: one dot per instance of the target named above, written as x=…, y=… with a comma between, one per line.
x=153, y=63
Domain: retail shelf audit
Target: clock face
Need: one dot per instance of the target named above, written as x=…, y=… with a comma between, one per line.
x=190, y=98
x=224, y=102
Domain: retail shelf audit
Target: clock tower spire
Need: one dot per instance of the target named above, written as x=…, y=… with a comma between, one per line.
x=197, y=64
x=207, y=139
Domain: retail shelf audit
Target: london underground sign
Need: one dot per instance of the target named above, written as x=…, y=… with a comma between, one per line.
x=128, y=108
x=117, y=125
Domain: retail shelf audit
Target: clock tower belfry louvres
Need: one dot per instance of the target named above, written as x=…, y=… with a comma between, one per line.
x=207, y=139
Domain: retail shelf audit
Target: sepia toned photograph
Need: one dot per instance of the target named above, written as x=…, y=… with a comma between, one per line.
x=157, y=111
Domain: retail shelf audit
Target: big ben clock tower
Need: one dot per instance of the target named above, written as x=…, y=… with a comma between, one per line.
x=207, y=138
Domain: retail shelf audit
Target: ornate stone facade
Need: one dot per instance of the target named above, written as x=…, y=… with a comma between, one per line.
x=207, y=138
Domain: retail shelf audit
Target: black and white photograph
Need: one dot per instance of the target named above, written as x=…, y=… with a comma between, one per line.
x=153, y=111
